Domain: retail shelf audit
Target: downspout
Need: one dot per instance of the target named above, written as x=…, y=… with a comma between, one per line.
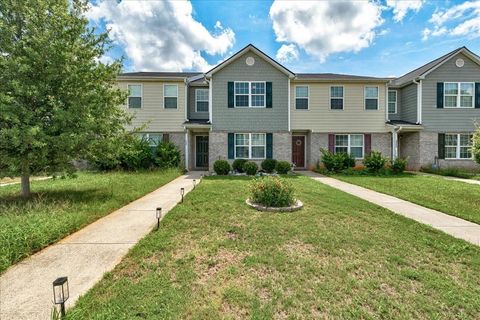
x=184, y=127
x=419, y=100
x=289, y=80
x=210, y=110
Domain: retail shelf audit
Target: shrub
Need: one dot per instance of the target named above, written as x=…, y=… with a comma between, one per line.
x=221, y=167
x=283, y=167
x=272, y=192
x=269, y=165
x=167, y=155
x=476, y=145
x=238, y=165
x=398, y=165
x=136, y=154
x=337, y=162
x=250, y=168
x=374, y=161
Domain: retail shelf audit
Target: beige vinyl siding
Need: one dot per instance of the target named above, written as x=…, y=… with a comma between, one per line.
x=152, y=112
x=353, y=118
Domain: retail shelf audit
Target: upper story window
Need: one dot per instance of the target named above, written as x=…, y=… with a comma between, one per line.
x=301, y=97
x=350, y=143
x=336, y=98
x=134, y=96
x=170, y=96
x=250, y=146
x=371, y=98
x=458, y=146
x=459, y=94
x=250, y=94
x=392, y=101
x=201, y=100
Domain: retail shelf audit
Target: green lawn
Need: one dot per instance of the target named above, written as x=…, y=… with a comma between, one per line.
x=338, y=257
x=456, y=198
x=61, y=206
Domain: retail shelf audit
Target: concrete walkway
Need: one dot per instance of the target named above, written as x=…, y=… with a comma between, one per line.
x=470, y=181
x=4, y=184
x=26, y=288
x=454, y=226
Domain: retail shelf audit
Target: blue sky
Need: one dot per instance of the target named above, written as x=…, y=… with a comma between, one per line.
x=385, y=38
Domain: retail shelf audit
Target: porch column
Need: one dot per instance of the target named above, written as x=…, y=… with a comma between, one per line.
x=186, y=151
x=394, y=145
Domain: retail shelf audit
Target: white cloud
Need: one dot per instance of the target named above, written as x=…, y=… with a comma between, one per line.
x=322, y=28
x=287, y=53
x=162, y=35
x=459, y=20
x=401, y=7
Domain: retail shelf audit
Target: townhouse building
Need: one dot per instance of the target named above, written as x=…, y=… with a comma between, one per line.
x=252, y=107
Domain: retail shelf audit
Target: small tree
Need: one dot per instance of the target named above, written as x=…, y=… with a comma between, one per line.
x=476, y=145
x=58, y=103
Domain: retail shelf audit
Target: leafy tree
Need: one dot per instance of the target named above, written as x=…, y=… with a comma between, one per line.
x=476, y=145
x=58, y=102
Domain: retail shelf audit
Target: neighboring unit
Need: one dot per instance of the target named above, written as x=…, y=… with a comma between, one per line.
x=252, y=107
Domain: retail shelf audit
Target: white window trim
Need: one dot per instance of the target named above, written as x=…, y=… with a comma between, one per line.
x=249, y=94
x=146, y=136
x=250, y=146
x=349, y=143
x=165, y=96
x=388, y=102
x=141, y=94
x=457, y=147
x=458, y=95
x=308, y=97
x=343, y=97
x=196, y=98
x=365, y=98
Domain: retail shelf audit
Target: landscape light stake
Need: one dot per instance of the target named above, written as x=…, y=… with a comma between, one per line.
x=61, y=293
x=158, y=214
x=182, y=192
x=194, y=183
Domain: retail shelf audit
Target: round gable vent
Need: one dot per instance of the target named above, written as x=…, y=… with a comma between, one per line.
x=250, y=61
x=459, y=63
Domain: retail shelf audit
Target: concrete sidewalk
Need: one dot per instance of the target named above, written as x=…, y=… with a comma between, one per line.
x=26, y=288
x=454, y=226
x=470, y=181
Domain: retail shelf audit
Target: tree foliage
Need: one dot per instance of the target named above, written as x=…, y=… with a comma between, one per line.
x=58, y=102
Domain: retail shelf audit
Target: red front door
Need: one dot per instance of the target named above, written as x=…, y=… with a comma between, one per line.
x=298, y=151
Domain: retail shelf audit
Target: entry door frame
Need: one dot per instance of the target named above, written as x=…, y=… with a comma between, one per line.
x=195, y=150
x=304, y=149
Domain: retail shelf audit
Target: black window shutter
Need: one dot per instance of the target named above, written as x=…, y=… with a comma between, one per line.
x=231, y=146
x=477, y=95
x=269, y=146
x=165, y=137
x=231, y=95
x=439, y=95
x=368, y=143
x=268, y=91
x=331, y=142
x=441, y=146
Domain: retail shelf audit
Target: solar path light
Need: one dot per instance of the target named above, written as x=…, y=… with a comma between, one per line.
x=61, y=293
x=158, y=214
x=182, y=192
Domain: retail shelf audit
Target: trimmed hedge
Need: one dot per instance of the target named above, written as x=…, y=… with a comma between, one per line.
x=221, y=167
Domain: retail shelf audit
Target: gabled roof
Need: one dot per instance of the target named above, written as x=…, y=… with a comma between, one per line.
x=258, y=52
x=422, y=71
x=337, y=77
x=160, y=75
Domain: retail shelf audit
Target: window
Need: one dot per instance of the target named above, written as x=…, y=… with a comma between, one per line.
x=134, y=96
x=250, y=94
x=153, y=138
x=336, y=98
x=349, y=143
x=392, y=101
x=170, y=96
x=458, y=94
x=201, y=100
x=250, y=145
x=301, y=97
x=371, y=98
x=458, y=146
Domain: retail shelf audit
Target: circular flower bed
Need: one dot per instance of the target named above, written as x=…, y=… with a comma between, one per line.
x=273, y=194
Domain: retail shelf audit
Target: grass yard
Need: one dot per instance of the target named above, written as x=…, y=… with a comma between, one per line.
x=339, y=257
x=452, y=197
x=61, y=206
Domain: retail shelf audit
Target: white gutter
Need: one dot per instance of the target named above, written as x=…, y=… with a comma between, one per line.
x=210, y=95
x=419, y=100
x=289, y=127
x=386, y=103
x=186, y=99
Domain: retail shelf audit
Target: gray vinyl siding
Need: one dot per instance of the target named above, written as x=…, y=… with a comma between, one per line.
x=408, y=106
x=191, y=105
x=250, y=119
x=454, y=119
x=397, y=115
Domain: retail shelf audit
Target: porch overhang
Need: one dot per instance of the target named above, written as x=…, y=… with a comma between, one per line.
x=399, y=126
x=197, y=124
